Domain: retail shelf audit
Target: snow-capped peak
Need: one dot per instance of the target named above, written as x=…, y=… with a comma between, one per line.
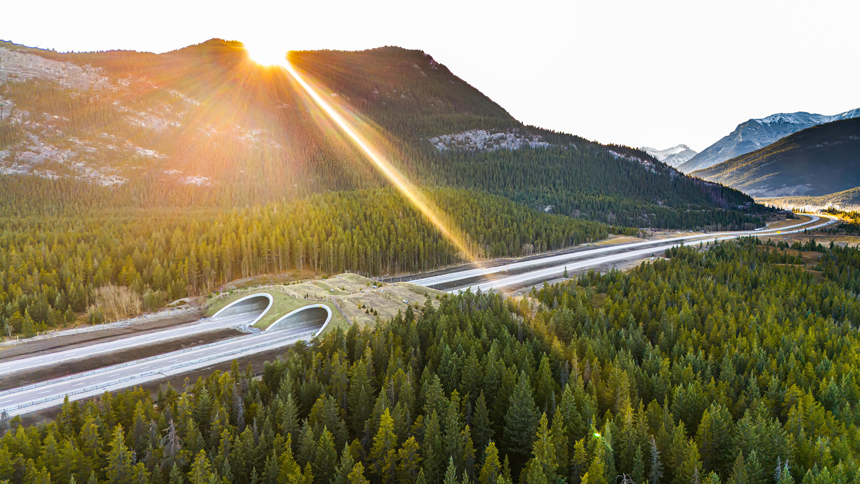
x=673, y=156
x=805, y=118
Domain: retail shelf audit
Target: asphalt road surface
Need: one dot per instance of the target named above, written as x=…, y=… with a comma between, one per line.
x=552, y=267
x=83, y=385
x=51, y=393
x=55, y=358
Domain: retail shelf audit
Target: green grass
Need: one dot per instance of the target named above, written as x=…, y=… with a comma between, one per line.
x=281, y=305
x=358, y=299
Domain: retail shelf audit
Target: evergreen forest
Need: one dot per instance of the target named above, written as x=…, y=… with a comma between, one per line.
x=52, y=267
x=735, y=364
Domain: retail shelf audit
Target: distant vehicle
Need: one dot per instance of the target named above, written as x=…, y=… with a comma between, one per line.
x=760, y=228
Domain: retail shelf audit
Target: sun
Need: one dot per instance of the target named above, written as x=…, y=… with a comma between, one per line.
x=266, y=54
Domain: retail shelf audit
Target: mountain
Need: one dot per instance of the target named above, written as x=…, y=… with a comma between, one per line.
x=674, y=156
x=758, y=133
x=844, y=200
x=205, y=126
x=816, y=161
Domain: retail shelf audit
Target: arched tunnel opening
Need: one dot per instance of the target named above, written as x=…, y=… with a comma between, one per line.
x=305, y=321
x=257, y=303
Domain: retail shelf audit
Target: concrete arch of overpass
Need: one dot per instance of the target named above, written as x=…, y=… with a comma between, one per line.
x=303, y=315
x=261, y=302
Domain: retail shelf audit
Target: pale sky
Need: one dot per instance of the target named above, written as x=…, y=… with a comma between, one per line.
x=655, y=73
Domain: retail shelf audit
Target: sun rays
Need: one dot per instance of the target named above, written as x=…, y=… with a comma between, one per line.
x=353, y=128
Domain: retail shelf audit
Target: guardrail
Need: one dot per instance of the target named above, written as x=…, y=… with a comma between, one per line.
x=274, y=342
x=119, y=366
x=167, y=313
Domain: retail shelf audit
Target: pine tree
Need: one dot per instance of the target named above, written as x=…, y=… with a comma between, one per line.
x=482, y=428
x=175, y=476
x=597, y=468
x=714, y=439
x=450, y=473
x=357, y=475
x=580, y=461
x=432, y=449
x=383, y=454
x=691, y=465
x=491, y=470
x=544, y=450
x=119, y=464
x=638, y=473
x=325, y=459
x=533, y=473
x=345, y=466
x=739, y=472
x=200, y=470
x=410, y=461
x=307, y=446
x=521, y=421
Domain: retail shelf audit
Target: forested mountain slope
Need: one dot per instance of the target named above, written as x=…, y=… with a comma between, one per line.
x=170, y=175
x=205, y=125
x=817, y=161
x=733, y=365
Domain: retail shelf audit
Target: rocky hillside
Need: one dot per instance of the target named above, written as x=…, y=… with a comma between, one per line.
x=206, y=125
x=816, y=161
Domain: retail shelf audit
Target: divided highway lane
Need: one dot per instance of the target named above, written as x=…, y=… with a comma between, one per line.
x=88, y=351
x=589, y=253
x=51, y=393
x=597, y=259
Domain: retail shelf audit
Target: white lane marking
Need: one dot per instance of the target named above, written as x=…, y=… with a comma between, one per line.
x=457, y=276
x=557, y=270
x=121, y=344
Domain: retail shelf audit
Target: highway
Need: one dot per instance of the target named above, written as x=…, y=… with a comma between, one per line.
x=83, y=385
x=88, y=351
x=553, y=267
x=51, y=393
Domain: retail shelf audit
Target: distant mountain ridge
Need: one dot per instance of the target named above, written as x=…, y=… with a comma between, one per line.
x=758, y=133
x=845, y=200
x=674, y=156
x=816, y=161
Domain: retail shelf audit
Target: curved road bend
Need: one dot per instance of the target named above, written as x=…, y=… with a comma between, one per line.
x=556, y=271
x=58, y=357
x=51, y=393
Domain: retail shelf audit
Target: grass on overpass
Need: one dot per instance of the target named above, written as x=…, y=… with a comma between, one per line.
x=281, y=305
x=361, y=299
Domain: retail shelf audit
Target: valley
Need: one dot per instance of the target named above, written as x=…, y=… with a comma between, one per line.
x=233, y=263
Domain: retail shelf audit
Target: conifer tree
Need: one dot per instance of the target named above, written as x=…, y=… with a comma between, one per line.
x=544, y=450
x=491, y=469
x=521, y=421
x=383, y=454
x=325, y=459
x=119, y=467
x=409, y=458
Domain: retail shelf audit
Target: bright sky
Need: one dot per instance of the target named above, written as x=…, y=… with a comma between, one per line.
x=655, y=73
